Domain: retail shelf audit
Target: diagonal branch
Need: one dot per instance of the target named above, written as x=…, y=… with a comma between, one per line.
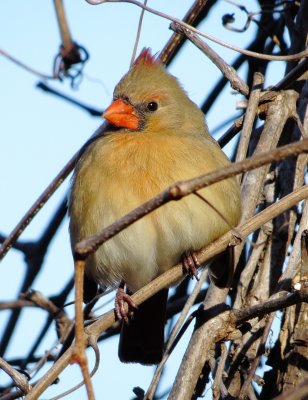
x=228, y=72
x=43, y=198
x=184, y=188
x=26, y=67
x=197, y=12
x=19, y=379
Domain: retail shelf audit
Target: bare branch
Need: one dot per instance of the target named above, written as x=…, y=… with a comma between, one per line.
x=294, y=394
x=194, y=15
x=79, y=353
x=20, y=380
x=67, y=41
x=250, y=116
x=138, y=34
x=155, y=380
x=228, y=72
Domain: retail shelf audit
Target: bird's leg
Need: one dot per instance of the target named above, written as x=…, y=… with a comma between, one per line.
x=191, y=264
x=121, y=298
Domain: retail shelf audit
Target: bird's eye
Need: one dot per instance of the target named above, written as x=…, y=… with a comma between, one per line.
x=152, y=106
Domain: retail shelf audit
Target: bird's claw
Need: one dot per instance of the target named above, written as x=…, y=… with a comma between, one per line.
x=120, y=300
x=191, y=264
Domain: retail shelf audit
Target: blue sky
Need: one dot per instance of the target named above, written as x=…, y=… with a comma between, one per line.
x=39, y=134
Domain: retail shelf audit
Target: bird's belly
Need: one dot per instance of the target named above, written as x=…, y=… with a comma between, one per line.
x=151, y=245
x=129, y=256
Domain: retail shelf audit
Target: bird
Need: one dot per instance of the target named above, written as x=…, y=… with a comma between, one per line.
x=155, y=136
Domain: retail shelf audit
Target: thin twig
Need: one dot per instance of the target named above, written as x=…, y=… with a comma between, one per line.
x=80, y=384
x=297, y=56
x=261, y=349
x=155, y=380
x=70, y=52
x=218, y=385
x=269, y=306
x=63, y=323
x=295, y=255
x=138, y=34
x=250, y=116
x=11, y=305
x=26, y=67
x=292, y=76
x=79, y=352
x=300, y=126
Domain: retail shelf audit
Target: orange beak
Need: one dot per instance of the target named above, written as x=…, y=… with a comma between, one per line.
x=121, y=115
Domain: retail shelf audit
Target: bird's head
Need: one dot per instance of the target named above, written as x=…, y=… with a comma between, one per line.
x=149, y=99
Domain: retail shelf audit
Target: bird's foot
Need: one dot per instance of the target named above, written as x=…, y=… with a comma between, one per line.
x=191, y=264
x=121, y=298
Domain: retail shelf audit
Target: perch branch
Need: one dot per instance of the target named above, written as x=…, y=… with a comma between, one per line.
x=184, y=188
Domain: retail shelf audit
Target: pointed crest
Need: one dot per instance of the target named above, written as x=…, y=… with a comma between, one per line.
x=146, y=58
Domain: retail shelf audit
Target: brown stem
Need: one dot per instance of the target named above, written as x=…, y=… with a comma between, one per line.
x=250, y=115
x=79, y=352
x=19, y=379
x=261, y=349
x=66, y=37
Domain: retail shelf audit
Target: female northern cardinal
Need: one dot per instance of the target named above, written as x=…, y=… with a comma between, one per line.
x=156, y=136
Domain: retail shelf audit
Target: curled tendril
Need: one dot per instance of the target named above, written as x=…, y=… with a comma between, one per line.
x=279, y=7
x=228, y=19
x=69, y=63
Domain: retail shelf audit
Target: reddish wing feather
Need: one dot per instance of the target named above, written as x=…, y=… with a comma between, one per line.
x=146, y=57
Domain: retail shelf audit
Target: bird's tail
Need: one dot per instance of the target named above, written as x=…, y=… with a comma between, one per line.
x=142, y=340
x=221, y=268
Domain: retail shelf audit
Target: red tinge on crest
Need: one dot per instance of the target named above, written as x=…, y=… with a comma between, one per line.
x=146, y=57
